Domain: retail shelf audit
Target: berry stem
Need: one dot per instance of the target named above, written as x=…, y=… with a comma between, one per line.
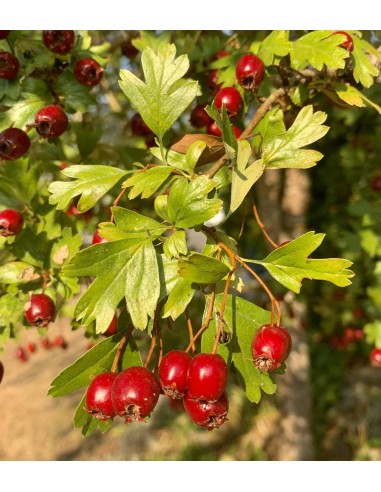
x=190, y=329
x=155, y=335
x=122, y=344
x=207, y=318
x=260, y=223
x=116, y=201
x=222, y=311
x=243, y=220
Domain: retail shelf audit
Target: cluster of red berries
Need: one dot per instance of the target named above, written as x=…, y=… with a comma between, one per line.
x=51, y=121
x=22, y=352
x=350, y=336
x=199, y=381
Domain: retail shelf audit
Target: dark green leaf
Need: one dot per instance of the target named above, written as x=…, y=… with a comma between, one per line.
x=75, y=96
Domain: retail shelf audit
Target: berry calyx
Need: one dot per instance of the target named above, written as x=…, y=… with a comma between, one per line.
x=231, y=98
x=173, y=373
x=348, y=42
x=271, y=346
x=98, y=396
x=9, y=65
x=112, y=327
x=205, y=413
x=214, y=130
x=60, y=42
x=129, y=50
x=39, y=310
x=11, y=222
x=199, y=117
x=14, y=143
x=375, y=357
x=88, y=72
x=207, y=377
x=135, y=393
x=138, y=127
x=97, y=239
x=4, y=34
x=51, y=121
x=250, y=71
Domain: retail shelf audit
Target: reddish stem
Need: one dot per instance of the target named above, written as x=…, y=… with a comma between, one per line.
x=260, y=223
x=120, y=348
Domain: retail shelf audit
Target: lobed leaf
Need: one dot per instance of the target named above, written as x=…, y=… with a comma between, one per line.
x=202, y=269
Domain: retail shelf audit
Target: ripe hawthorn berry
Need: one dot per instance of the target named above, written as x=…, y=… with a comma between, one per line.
x=271, y=346
x=4, y=34
x=60, y=42
x=212, y=82
x=138, y=127
x=1, y=366
x=214, y=130
x=231, y=98
x=51, y=121
x=173, y=373
x=250, y=71
x=98, y=397
x=9, y=65
x=97, y=238
x=199, y=117
x=207, y=377
x=14, y=143
x=112, y=328
x=375, y=357
x=205, y=413
x=135, y=393
x=11, y=222
x=348, y=42
x=128, y=49
x=39, y=310
x=88, y=72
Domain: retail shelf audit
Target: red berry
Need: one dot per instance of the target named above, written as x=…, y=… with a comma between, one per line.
x=205, y=413
x=98, y=396
x=51, y=121
x=375, y=357
x=97, y=238
x=271, y=346
x=88, y=72
x=199, y=117
x=219, y=54
x=231, y=98
x=73, y=211
x=59, y=341
x=212, y=82
x=1, y=366
x=14, y=143
x=138, y=127
x=21, y=354
x=250, y=71
x=39, y=310
x=4, y=34
x=207, y=377
x=173, y=373
x=376, y=183
x=150, y=141
x=129, y=50
x=9, y=65
x=11, y=222
x=214, y=130
x=347, y=43
x=135, y=393
x=112, y=327
x=46, y=343
x=60, y=42
x=31, y=347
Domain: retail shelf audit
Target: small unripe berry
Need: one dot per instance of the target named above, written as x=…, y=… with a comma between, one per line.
x=11, y=222
x=250, y=71
x=271, y=346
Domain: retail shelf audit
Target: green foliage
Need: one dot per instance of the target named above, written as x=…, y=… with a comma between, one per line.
x=274, y=47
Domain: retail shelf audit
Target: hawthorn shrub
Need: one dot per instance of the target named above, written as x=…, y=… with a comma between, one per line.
x=115, y=148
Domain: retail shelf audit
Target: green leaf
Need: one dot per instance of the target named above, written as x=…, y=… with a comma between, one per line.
x=17, y=272
x=242, y=319
x=92, y=182
x=193, y=154
x=284, y=150
x=224, y=124
x=164, y=95
x=354, y=97
x=147, y=181
x=318, y=48
x=175, y=245
x=75, y=96
x=95, y=361
x=274, y=47
x=179, y=297
x=88, y=423
x=11, y=313
x=151, y=39
x=142, y=286
x=188, y=205
x=364, y=70
x=370, y=242
x=65, y=247
x=290, y=264
x=373, y=333
x=130, y=221
x=244, y=175
x=172, y=158
x=19, y=180
x=202, y=269
x=88, y=136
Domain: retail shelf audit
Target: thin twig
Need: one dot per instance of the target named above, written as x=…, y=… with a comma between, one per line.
x=243, y=220
x=207, y=318
x=222, y=311
x=155, y=333
x=120, y=348
x=260, y=223
x=190, y=329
